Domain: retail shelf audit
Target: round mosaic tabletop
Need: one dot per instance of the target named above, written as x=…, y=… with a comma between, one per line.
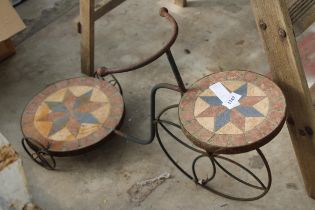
x=256, y=117
x=73, y=114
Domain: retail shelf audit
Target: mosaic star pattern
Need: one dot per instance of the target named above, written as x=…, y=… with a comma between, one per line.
x=210, y=112
x=212, y=126
x=73, y=114
x=65, y=116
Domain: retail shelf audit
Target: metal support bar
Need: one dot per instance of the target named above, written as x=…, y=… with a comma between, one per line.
x=152, y=115
x=175, y=71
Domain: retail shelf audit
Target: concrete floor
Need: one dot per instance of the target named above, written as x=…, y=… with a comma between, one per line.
x=220, y=35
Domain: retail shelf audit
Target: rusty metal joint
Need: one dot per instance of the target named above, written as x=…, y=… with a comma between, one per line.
x=101, y=71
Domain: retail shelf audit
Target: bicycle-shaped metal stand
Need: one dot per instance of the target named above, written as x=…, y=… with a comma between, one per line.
x=74, y=115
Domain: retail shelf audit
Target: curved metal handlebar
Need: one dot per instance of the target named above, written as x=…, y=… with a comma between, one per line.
x=103, y=71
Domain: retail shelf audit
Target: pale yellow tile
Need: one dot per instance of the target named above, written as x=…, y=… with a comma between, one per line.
x=206, y=122
x=86, y=129
x=251, y=122
x=42, y=111
x=57, y=96
x=263, y=106
x=232, y=85
x=200, y=106
x=79, y=90
x=62, y=135
x=98, y=96
x=43, y=127
x=253, y=90
x=229, y=128
x=102, y=113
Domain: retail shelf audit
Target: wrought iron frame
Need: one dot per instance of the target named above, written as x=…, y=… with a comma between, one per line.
x=43, y=157
x=161, y=123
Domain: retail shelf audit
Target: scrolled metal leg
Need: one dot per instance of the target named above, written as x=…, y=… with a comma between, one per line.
x=40, y=154
x=113, y=81
x=208, y=179
x=213, y=158
x=162, y=122
x=215, y=163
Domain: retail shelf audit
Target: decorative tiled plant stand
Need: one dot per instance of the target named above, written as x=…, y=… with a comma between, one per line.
x=215, y=129
x=74, y=115
x=71, y=116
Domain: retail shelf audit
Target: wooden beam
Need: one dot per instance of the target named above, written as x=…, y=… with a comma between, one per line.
x=275, y=27
x=182, y=3
x=302, y=14
x=107, y=8
x=87, y=36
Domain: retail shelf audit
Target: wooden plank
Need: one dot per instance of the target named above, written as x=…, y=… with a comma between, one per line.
x=275, y=27
x=307, y=20
x=182, y=3
x=289, y=3
x=87, y=36
x=304, y=10
x=302, y=14
x=100, y=11
x=106, y=8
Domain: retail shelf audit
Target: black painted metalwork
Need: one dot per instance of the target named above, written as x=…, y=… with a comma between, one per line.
x=152, y=116
x=39, y=154
x=214, y=162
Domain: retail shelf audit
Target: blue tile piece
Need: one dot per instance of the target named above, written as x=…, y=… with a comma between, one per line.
x=248, y=111
x=212, y=100
x=242, y=90
x=84, y=117
x=56, y=106
x=82, y=99
x=59, y=124
x=222, y=119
